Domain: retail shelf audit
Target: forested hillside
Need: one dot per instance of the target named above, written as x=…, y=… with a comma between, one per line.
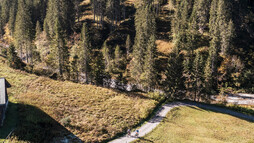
x=191, y=48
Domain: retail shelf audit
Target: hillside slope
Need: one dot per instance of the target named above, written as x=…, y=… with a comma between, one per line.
x=49, y=109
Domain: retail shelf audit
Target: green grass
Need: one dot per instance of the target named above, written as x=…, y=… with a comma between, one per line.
x=195, y=125
x=94, y=114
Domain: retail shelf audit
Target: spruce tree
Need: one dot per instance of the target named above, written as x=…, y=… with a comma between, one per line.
x=208, y=73
x=145, y=27
x=107, y=58
x=23, y=28
x=202, y=14
x=117, y=57
x=5, y=9
x=188, y=74
x=13, y=60
x=12, y=17
x=74, y=69
x=174, y=81
x=198, y=75
x=62, y=10
x=38, y=30
x=149, y=75
x=85, y=52
x=128, y=45
x=138, y=54
x=59, y=44
x=213, y=17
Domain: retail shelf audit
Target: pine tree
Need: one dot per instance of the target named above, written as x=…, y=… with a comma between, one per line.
x=59, y=44
x=13, y=60
x=213, y=17
x=202, y=14
x=180, y=24
x=198, y=75
x=227, y=36
x=188, y=74
x=86, y=52
x=145, y=27
x=138, y=54
x=149, y=75
x=38, y=30
x=74, y=68
x=209, y=73
x=62, y=10
x=128, y=45
x=107, y=58
x=174, y=81
x=98, y=69
x=5, y=9
x=23, y=28
x=117, y=57
x=12, y=17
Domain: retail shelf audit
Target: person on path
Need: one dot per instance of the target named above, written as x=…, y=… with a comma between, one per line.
x=137, y=133
x=129, y=132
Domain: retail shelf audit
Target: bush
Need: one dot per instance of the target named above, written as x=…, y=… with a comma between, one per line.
x=4, y=52
x=66, y=121
x=156, y=96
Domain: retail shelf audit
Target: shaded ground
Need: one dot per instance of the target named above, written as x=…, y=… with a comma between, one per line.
x=30, y=124
x=238, y=99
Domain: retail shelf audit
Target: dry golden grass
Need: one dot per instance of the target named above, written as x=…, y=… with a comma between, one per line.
x=95, y=113
x=195, y=125
x=164, y=47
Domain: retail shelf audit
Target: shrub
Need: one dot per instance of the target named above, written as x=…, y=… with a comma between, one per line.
x=156, y=96
x=66, y=121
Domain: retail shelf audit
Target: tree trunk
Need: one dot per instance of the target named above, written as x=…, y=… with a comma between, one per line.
x=27, y=54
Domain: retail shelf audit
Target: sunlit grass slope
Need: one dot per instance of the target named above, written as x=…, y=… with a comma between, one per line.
x=195, y=125
x=91, y=113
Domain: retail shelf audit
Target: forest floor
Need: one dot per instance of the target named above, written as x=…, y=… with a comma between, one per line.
x=162, y=113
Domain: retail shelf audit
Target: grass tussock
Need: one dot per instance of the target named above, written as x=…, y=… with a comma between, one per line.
x=187, y=124
x=93, y=114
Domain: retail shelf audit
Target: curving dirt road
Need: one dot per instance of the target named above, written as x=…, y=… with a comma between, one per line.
x=155, y=121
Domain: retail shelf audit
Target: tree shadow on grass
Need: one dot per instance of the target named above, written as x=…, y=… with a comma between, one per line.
x=34, y=125
x=223, y=110
x=10, y=121
x=142, y=139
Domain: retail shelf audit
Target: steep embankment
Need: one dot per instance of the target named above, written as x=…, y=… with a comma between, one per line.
x=49, y=109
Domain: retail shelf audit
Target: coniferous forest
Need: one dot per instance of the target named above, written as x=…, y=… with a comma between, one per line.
x=187, y=48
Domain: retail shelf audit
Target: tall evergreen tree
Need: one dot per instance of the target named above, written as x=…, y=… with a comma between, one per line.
x=13, y=60
x=59, y=45
x=128, y=45
x=86, y=52
x=174, y=81
x=145, y=27
x=107, y=58
x=213, y=17
x=38, y=30
x=62, y=10
x=74, y=69
x=149, y=75
x=23, y=28
x=117, y=57
x=188, y=74
x=12, y=17
x=198, y=75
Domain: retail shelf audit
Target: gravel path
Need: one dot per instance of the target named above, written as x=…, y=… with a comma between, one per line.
x=155, y=121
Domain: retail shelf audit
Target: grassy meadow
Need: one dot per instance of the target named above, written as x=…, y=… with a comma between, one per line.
x=49, y=109
x=195, y=125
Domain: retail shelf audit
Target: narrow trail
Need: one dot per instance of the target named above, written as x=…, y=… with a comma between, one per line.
x=155, y=121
